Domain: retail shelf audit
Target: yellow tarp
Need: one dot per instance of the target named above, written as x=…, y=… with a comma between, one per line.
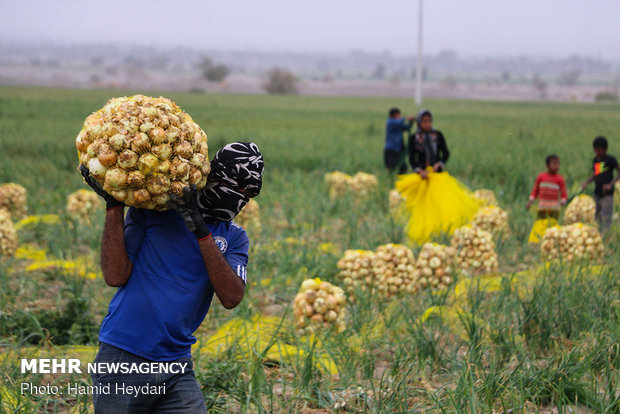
x=8, y=400
x=453, y=317
x=41, y=218
x=81, y=266
x=31, y=252
x=248, y=338
x=436, y=205
x=78, y=266
x=85, y=353
x=539, y=228
x=521, y=283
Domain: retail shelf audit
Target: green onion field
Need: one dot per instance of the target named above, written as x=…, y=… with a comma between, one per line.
x=536, y=337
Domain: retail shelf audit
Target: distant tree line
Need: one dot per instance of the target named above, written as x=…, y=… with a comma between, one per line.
x=211, y=71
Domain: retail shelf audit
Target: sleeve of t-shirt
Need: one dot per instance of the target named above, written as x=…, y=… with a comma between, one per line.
x=614, y=163
x=237, y=254
x=135, y=229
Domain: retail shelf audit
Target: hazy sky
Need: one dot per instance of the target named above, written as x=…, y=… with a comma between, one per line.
x=471, y=27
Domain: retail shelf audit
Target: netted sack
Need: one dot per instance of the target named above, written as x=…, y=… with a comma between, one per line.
x=395, y=201
x=475, y=250
x=581, y=210
x=141, y=149
x=393, y=266
x=8, y=235
x=355, y=270
x=337, y=182
x=576, y=241
x=492, y=219
x=319, y=304
x=82, y=204
x=249, y=217
x=362, y=184
x=13, y=199
x=485, y=197
x=435, y=266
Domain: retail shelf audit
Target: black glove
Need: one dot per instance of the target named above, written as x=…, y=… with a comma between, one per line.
x=110, y=202
x=187, y=207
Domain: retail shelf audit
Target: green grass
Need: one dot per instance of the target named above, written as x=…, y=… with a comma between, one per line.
x=558, y=346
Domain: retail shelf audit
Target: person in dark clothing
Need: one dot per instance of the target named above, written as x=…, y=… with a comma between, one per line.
x=393, y=154
x=603, y=166
x=427, y=146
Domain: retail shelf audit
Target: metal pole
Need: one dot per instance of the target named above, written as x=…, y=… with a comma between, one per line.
x=418, y=71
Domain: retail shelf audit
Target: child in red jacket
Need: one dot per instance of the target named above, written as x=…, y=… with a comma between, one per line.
x=550, y=189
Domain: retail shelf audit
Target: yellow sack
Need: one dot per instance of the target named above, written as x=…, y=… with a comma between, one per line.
x=539, y=228
x=436, y=205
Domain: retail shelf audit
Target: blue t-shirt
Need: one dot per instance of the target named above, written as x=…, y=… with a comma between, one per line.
x=394, y=128
x=168, y=294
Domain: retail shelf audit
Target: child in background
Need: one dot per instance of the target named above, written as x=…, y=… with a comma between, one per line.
x=427, y=147
x=603, y=166
x=394, y=145
x=550, y=189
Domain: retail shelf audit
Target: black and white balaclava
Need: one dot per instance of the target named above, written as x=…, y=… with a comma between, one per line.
x=238, y=165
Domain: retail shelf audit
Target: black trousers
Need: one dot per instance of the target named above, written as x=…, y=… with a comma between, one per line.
x=391, y=159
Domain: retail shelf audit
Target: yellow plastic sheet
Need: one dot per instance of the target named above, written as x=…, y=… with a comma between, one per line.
x=9, y=402
x=436, y=205
x=81, y=266
x=454, y=317
x=42, y=218
x=13, y=356
x=539, y=228
x=247, y=338
x=521, y=283
x=31, y=252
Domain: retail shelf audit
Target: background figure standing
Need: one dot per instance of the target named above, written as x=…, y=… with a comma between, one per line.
x=394, y=152
x=550, y=189
x=603, y=166
x=427, y=147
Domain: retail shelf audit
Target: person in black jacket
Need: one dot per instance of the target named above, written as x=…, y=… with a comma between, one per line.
x=427, y=146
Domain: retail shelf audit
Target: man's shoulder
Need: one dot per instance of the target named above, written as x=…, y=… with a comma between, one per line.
x=228, y=235
x=226, y=226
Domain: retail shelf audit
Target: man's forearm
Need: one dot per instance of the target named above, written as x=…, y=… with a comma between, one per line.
x=228, y=287
x=115, y=263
